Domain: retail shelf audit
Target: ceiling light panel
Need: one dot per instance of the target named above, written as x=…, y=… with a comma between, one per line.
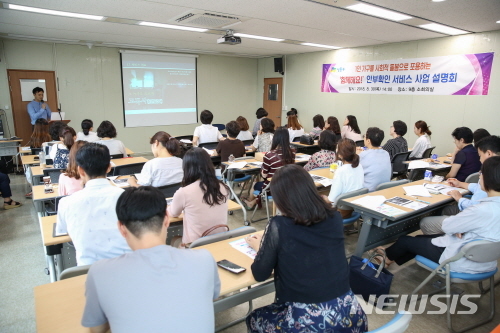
x=443, y=29
x=170, y=26
x=55, y=12
x=379, y=12
x=260, y=37
x=321, y=45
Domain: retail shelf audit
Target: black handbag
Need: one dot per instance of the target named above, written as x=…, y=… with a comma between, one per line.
x=306, y=139
x=366, y=280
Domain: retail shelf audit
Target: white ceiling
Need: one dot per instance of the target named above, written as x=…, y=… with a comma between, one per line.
x=319, y=21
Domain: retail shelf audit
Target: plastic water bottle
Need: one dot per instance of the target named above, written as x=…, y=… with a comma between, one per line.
x=231, y=158
x=333, y=167
x=41, y=158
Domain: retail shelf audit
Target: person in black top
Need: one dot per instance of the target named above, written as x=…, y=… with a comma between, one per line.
x=465, y=159
x=397, y=144
x=305, y=249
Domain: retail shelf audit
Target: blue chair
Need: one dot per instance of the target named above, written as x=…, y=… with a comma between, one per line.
x=355, y=215
x=477, y=251
x=398, y=324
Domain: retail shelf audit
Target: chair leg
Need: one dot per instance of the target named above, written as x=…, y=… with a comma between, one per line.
x=482, y=322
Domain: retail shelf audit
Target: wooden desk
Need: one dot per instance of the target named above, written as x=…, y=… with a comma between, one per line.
x=379, y=229
x=47, y=232
x=70, y=294
x=128, y=151
x=301, y=145
x=128, y=160
x=29, y=159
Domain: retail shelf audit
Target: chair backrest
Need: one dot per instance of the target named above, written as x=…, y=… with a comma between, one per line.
x=360, y=143
x=481, y=251
x=351, y=194
x=472, y=178
x=220, y=127
x=397, y=162
x=54, y=174
x=128, y=169
x=115, y=156
x=398, y=324
x=427, y=153
x=222, y=236
x=208, y=145
x=187, y=137
x=248, y=142
x=169, y=190
x=35, y=151
x=383, y=186
x=74, y=271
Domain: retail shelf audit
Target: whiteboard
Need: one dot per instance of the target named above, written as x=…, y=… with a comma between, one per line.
x=27, y=87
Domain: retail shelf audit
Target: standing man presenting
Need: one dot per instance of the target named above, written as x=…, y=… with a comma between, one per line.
x=37, y=108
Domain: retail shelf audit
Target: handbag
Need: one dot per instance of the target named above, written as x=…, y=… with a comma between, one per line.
x=306, y=139
x=366, y=280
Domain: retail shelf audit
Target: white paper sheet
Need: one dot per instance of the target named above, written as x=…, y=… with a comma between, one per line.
x=370, y=201
x=416, y=191
x=303, y=157
x=137, y=175
x=415, y=205
x=209, y=151
x=242, y=246
x=185, y=141
x=237, y=165
x=418, y=165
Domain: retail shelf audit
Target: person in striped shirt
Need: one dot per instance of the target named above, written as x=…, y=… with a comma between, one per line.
x=397, y=144
x=280, y=154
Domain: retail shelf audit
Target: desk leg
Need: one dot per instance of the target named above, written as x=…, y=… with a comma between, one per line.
x=52, y=269
x=363, y=236
x=233, y=195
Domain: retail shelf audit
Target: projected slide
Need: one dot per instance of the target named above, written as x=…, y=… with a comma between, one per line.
x=158, y=88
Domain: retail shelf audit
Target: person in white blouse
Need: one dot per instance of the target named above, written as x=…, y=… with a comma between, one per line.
x=107, y=134
x=351, y=130
x=89, y=215
x=348, y=177
x=206, y=132
x=423, y=142
x=294, y=128
x=86, y=134
x=245, y=133
x=165, y=168
x=479, y=222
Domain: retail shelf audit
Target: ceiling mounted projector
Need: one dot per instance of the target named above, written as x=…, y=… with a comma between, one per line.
x=228, y=38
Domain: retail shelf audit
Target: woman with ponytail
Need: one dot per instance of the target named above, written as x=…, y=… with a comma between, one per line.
x=86, y=134
x=67, y=137
x=165, y=168
x=349, y=177
x=423, y=142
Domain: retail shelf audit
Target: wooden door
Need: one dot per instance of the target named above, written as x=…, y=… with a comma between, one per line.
x=22, y=121
x=273, y=90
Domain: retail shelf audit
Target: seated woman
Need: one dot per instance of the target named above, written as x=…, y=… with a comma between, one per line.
x=54, y=130
x=465, y=159
x=206, y=132
x=165, y=168
x=67, y=137
x=348, y=177
x=423, y=142
x=477, y=222
x=202, y=197
x=261, y=113
x=318, y=125
x=280, y=154
x=245, y=134
x=351, y=130
x=107, y=134
x=264, y=138
x=70, y=181
x=295, y=129
x=326, y=156
x=479, y=134
x=40, y=133
x=6, y=192
x=397, y=144
x=86, y=134
x=312, y=294
x=332, y=124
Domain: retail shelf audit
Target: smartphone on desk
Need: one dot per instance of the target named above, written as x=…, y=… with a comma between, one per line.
x=229, y=266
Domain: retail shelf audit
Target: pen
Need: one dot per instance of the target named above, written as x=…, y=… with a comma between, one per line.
x=422, y=201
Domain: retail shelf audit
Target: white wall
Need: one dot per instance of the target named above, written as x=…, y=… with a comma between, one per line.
x=90, y=86
x=442, y=113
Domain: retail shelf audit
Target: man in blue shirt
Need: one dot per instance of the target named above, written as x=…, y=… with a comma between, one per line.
x=37, y=108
